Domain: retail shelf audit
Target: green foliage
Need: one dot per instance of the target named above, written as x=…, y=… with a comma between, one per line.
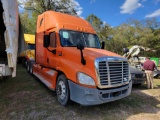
x=36, y=7
x=133, y=32
x=40, y=6
x=29, y=24
x=95, y=22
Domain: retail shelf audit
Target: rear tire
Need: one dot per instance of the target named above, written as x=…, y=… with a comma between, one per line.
x=31, y=67
x=62, y=90
x=24, y=62
x=28, y=65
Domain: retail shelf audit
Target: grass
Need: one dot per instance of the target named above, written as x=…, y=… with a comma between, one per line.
x=24, y=97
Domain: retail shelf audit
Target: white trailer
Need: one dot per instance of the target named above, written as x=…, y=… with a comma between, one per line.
x=9, y=37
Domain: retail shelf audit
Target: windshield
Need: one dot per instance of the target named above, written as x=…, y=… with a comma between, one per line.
x=31, y=46
x=72, y=38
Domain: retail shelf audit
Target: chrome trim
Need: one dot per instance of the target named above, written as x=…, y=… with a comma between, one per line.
x=105, y=62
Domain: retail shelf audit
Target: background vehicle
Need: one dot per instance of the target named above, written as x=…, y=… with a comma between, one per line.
x=29, y=53
x=135, y=61
x=11, y=40
x=70, y=61
x=138, y=77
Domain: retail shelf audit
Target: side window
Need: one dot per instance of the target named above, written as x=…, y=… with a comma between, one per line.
x=53, y=40
x=66, y=38
x=41, y=22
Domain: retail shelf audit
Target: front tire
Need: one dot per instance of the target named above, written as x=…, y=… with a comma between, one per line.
x=62, y=90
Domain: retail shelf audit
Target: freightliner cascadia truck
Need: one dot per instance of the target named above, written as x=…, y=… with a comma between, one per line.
x=70, y=61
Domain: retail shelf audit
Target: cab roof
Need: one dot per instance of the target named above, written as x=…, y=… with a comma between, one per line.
x=29, y=38
x=51, y=20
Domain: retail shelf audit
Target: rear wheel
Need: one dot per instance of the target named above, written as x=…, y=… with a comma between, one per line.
x=28, y=65
x=31, y=67
x=62, y=90
x=24, y=62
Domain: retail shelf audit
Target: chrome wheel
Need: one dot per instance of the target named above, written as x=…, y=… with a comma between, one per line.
x=62, y=90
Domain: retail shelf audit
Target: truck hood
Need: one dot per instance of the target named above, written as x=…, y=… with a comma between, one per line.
x=90, y=54
x=135, y=71
x=71, y=61
x=73, y=55
x=97, y=53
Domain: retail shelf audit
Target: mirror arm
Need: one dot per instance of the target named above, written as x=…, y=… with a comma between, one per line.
x=83, y=61
x=52, y=51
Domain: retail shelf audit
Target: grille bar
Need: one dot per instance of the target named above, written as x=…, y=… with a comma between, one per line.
x=113, y=72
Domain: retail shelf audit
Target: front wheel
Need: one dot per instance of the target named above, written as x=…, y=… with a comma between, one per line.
x=62, y=90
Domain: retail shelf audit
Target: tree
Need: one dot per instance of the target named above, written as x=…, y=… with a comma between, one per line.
x=29, y=24
x=39, y=6
x=95, y=22
x=152, y=23
x=101, y=28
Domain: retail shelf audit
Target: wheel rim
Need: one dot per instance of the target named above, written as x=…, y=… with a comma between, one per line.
x=61, y=90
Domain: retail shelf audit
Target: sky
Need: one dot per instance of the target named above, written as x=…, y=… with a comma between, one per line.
x=116, y=12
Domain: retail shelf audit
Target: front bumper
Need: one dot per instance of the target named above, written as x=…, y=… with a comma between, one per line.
x=94, y=96
x=138, y=80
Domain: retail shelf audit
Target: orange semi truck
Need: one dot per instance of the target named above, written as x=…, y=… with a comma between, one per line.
x=70, y=61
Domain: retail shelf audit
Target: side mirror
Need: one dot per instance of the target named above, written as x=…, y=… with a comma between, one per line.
x=53, y=40
x=80, y=46
x=46, y=41
x=125, y=50
x=103, y=45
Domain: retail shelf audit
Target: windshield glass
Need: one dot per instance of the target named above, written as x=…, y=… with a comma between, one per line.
x=31, y=46
x=72, y=38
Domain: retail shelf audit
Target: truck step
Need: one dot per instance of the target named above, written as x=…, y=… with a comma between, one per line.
x=43, y=80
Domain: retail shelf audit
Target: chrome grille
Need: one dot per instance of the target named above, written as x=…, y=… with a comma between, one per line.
x=103, y=73
x=139, y=75
x=113, y=72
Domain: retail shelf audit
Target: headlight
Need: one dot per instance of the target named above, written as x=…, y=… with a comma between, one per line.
x=132, y=75
x=85, y=79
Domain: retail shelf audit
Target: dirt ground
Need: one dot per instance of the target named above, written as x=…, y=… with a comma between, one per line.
x=149, y=114
x=25, y=97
